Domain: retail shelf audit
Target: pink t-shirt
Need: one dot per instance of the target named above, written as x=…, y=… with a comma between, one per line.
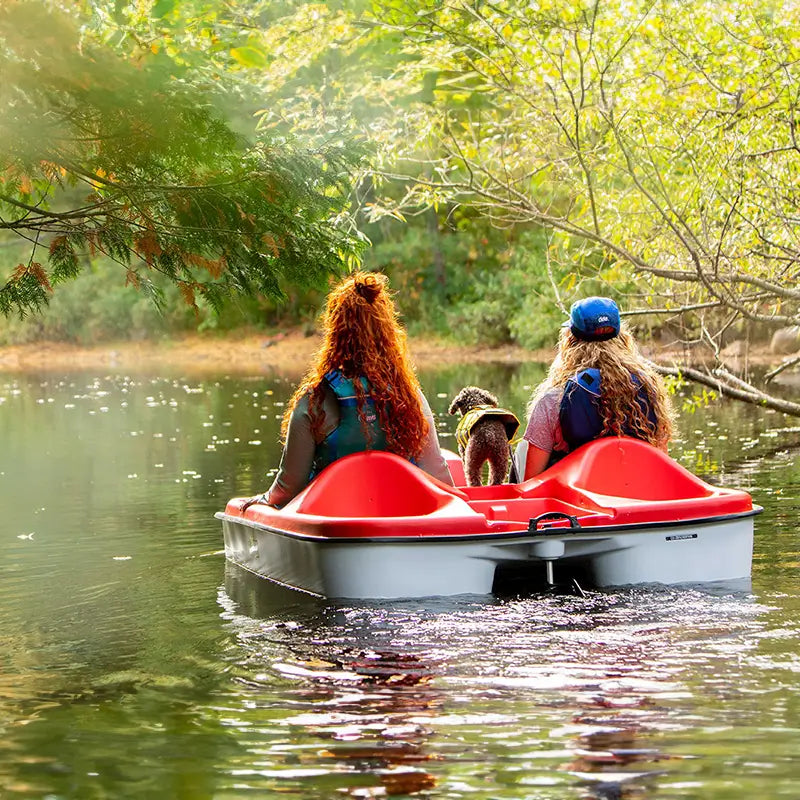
x=544, y=428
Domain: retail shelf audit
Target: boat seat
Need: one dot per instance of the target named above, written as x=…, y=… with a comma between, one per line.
x=456, y=467
x=619, y=466
x=350, y=488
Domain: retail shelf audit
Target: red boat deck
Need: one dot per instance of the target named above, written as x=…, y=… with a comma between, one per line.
x=613, y=481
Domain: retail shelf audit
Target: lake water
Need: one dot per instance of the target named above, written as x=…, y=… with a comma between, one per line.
x=135, y=664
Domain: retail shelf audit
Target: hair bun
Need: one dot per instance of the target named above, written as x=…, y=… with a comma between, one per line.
x=368, y=287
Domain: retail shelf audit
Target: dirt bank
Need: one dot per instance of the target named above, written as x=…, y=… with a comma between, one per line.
x=287, y=353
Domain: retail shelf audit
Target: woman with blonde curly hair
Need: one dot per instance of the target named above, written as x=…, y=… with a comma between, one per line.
x=360, y=393
x=598, y=385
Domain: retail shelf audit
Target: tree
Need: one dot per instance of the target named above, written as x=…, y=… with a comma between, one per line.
x=653, y=143
x=657, y=137
x=125, y=152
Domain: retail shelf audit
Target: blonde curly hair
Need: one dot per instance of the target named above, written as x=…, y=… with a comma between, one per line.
x=617, y=359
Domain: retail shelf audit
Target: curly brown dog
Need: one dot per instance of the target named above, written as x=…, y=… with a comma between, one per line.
x=485, y=437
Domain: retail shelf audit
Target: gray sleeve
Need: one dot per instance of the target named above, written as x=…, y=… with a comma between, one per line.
x=431, y=458
x=543, y=430
x=297, y=458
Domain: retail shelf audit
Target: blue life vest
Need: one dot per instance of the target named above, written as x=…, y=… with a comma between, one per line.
x=579, y=413
x=350, y=435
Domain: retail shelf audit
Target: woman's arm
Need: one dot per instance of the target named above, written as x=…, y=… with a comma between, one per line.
x=431, y=458
x=542, y=433
x=536, y=461
x=296, y=460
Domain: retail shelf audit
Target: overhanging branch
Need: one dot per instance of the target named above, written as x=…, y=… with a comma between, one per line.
x=721, y=382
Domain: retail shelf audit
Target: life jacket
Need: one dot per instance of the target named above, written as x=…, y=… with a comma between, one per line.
x=579, y=412
x=474, y=415
x=350, y=435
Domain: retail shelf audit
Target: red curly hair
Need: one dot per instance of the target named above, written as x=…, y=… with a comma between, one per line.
x=362, y=337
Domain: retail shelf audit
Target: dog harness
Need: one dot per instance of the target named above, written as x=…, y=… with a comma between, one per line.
x=580, y=416
x=476, y=414
x=351, y=435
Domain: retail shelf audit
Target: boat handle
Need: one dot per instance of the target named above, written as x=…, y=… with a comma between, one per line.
x=533, y=524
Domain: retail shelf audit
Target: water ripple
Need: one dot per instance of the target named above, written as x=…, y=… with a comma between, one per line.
x=129, y=671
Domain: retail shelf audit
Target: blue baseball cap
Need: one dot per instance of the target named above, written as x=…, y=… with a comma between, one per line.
x=594, y=319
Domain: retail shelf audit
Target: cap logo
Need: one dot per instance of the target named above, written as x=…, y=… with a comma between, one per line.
x=594, y=318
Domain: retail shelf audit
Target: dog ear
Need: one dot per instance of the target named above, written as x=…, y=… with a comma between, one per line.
x=455, y=406
x=490, y=399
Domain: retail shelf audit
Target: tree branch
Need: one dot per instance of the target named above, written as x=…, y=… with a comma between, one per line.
x=749, y=394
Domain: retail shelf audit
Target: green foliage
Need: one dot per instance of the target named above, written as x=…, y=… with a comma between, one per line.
x=662, y=145
x=97, y=307
x=125, y=154
x=482, y=322
x=433, y=271
x=496, y=289
x=505, y=303
x=521, y=155
x=699, y=401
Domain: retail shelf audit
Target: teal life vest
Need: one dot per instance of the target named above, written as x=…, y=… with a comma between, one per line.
x=350, y=435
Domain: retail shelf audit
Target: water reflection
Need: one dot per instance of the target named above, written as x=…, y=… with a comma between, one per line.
x=542, y=691
x=369, y=703
x=616, y=730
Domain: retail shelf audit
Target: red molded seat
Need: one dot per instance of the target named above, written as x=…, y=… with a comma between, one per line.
x=456, y=467
x=373, y=484
x=643, y=484
x=623, y=467
x=611, y=481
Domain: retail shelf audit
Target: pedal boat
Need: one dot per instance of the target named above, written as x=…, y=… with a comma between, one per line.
x=616, y=511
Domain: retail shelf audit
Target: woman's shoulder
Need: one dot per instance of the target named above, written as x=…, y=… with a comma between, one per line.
x=323, y=390
x=546, y=404
x=550, y=396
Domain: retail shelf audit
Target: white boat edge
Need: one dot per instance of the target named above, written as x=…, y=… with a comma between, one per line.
x=687, y=552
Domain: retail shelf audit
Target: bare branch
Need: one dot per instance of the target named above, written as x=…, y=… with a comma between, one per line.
x=751, y=395
x=773, y=373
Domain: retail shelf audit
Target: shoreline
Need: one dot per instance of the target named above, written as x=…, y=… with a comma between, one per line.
x=287, y=353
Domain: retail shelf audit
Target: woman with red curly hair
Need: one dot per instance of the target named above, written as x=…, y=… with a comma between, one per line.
x=361, y=392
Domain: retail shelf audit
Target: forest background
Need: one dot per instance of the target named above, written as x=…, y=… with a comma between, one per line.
x=179, y=165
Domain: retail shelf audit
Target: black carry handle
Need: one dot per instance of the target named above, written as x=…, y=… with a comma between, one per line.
x=533, y=525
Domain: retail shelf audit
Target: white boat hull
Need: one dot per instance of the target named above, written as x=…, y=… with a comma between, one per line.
x=702, y=551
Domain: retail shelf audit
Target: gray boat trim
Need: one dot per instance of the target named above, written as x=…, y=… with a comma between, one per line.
x=592, y=531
